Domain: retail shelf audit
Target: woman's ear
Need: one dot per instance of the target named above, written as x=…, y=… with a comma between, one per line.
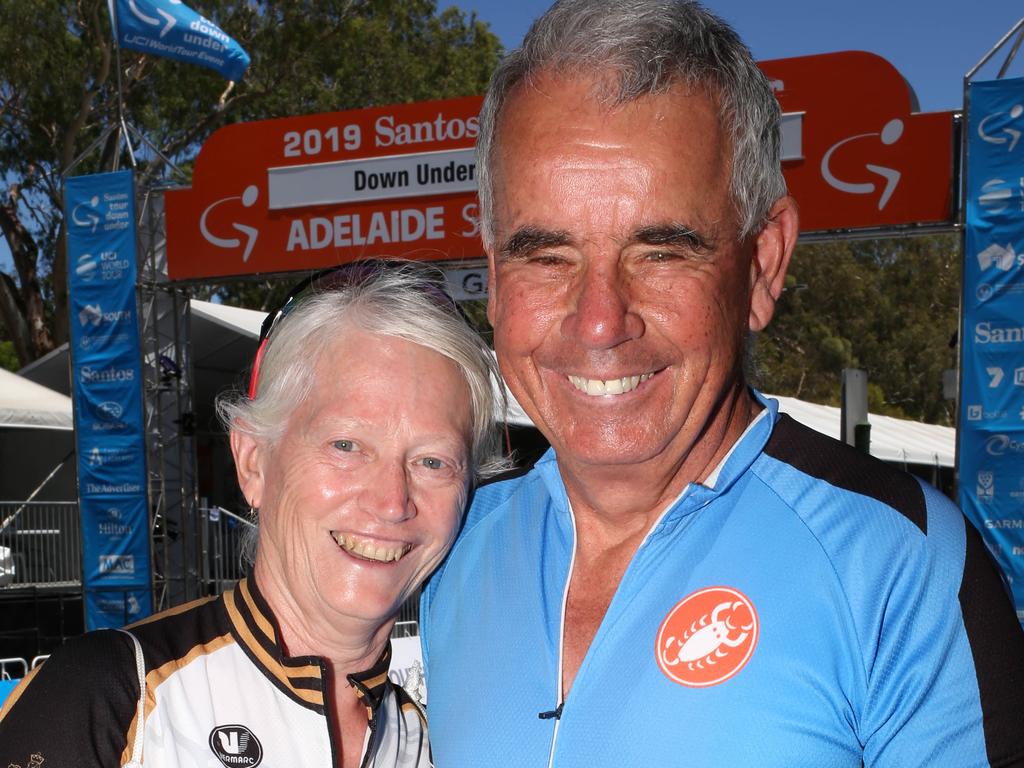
x=248, y=453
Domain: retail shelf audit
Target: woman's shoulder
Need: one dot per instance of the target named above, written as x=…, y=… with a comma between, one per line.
x=75, y=708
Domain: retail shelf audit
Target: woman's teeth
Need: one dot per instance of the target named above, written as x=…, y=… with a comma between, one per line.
x=368, y=550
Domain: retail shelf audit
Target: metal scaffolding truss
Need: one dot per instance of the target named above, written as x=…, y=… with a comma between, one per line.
x=169, y=422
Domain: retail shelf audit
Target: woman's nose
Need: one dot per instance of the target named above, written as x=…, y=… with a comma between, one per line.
x=386, y=492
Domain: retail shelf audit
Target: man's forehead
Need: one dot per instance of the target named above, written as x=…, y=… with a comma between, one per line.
x=601, y=90
x=561, y=111
x=553, y=134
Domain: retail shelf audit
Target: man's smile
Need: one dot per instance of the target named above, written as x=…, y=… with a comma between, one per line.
x=618, y=386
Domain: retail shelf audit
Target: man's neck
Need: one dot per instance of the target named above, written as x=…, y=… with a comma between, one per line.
x=614, y=509
x=626, y=499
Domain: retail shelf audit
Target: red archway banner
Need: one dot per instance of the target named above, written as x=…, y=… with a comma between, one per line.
x=306, y=192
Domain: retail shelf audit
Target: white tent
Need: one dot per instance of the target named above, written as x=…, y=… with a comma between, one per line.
x=895, y=440
x=224, y=340
x=36, y=441
x=27, y=405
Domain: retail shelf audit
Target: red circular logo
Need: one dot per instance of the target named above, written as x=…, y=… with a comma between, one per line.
x=707, y=637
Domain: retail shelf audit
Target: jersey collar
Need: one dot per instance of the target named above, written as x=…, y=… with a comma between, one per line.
x=733, y=465
x=255, y=628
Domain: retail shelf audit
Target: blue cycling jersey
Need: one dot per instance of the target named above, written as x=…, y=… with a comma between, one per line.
x=808, y=606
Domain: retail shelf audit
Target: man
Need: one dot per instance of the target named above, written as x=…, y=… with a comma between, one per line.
x=691, y=578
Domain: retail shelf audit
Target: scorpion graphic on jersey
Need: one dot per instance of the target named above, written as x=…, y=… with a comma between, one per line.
x=710, y=638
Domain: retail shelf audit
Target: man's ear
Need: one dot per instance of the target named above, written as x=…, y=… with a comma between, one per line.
x=492, y=284
x=773, y=249
x=248, y=453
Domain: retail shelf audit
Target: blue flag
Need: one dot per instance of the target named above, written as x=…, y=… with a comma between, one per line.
x=172, y=29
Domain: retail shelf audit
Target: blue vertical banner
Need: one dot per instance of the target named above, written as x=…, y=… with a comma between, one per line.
x=107, y=395
x=991, y=430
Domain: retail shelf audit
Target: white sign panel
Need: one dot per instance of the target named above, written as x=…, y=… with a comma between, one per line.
x=407, y=666
x=378, y=178
x=467, y=284
x=792, y=134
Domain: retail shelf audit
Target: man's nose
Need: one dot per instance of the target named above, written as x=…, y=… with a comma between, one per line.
x=604, y=315
x=386, y=492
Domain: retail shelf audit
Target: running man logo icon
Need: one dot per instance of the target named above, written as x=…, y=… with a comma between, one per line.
x=707, y=638
x=248, y=198
x=890, y=134
x=989, y=131
x=87, y=218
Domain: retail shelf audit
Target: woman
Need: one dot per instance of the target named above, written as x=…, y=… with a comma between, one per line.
x=368, y=417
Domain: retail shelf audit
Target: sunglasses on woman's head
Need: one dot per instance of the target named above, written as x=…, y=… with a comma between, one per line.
x=340, y=278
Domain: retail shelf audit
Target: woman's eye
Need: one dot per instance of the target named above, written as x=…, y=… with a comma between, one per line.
x=345, y=445
x=431, y=462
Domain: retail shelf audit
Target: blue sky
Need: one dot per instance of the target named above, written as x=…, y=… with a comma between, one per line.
x=933, y=43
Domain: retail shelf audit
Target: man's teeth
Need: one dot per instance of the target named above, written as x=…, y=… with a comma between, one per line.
x=610, y=386
x=370, y=551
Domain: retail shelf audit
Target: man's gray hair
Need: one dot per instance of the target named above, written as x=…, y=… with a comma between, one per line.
x=635, y=48
x=404, y=300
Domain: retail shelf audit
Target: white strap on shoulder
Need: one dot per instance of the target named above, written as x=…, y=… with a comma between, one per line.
x=140, y=711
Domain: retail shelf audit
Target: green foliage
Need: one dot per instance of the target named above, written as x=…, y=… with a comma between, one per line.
x=331, y=55
x=8, y=359
x=476, y=313
x=886, y=306
x=59, y=92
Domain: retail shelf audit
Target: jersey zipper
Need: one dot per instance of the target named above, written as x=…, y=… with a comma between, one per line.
x=561, y=640
x=558, y=711
x=329, y=713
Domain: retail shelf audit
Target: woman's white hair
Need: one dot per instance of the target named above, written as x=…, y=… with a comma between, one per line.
x=396, y=298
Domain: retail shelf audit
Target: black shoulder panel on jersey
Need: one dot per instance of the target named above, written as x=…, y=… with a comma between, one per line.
x=171, y=635
x=997, y=645
x=77, y=708
x=845, y=467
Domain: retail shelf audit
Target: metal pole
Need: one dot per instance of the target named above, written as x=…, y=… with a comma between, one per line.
x=1011, y=55
x=122, y=126
x=995, y=49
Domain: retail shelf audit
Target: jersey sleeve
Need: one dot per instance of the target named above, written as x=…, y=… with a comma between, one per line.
x=75, y=710
x=946, y=681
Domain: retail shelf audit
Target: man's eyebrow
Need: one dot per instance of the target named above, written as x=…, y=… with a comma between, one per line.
x=526, y=240
x=678, y=235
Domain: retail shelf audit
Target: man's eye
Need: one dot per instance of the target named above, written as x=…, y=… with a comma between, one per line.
x=661, y=256
x=544, y=259
x=345, y=445
x=430, y=462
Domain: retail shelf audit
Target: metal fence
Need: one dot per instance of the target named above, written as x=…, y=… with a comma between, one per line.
x=222, y=536
x=40, y=544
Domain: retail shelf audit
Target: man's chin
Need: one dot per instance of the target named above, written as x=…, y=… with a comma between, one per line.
x=608, y=448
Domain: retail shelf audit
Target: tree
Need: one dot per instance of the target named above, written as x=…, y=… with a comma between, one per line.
x=58, y=91
x=887, y=306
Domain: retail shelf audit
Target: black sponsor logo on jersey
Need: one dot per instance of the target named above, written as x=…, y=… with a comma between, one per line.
x=236, y=746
